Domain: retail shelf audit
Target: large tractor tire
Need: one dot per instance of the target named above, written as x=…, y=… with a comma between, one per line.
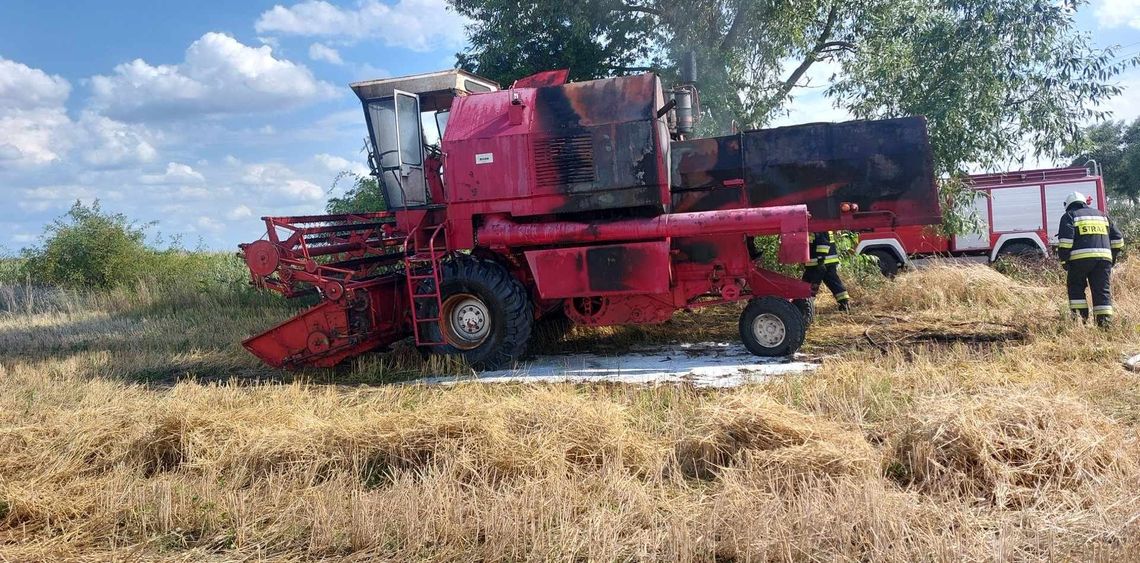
x=486, y=318
x=770, y=327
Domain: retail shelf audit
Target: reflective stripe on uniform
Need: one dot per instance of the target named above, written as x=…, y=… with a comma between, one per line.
x=1090, y=219
x=1118, y=243
x=1086, y=253
x=841, y=296
x=1075, y=304
x=823, y=248
x=1103, y=310
x=831, y=259
x=1064, y=243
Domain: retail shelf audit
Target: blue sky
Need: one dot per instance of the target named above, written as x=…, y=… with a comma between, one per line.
x=203, y=116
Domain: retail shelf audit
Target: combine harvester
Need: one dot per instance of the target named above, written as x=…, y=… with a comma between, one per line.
x=586, y=199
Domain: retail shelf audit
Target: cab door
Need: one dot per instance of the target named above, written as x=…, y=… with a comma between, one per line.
x=397, y=138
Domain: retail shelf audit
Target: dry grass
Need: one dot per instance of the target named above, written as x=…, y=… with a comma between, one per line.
x=913, y=448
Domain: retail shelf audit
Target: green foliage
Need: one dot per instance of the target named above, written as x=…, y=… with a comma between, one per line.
x=861, y=268
x=89, y=248
x=1115, y=146
x=959, y=216
x=988, y=74
x=365, y=195
x=1126, y=216
x=593, y=38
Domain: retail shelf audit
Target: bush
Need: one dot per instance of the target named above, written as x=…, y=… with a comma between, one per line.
x=863, y=269
x=89, y=248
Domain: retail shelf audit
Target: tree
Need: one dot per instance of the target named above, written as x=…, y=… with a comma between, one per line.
x=364, y=195
x=1115, y=146
x=990, y=75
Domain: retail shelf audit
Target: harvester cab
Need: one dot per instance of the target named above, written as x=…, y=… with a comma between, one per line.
x=406, y=119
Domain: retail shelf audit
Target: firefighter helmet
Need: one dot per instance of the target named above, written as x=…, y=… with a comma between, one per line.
x=1074, y=198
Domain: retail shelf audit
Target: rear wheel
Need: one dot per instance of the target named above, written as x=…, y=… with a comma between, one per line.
x=888, y=263
x=770, y=326
x=486, y=316
x=1021, y=249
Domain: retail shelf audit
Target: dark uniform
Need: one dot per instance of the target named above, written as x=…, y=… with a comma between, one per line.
x=825, y=268
x=1087, y=244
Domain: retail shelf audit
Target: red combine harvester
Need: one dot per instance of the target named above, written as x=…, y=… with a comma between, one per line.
x=581, y=199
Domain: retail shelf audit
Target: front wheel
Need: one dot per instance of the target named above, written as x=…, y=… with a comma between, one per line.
x=770, y=326
x=806, y=308
x=486, y=318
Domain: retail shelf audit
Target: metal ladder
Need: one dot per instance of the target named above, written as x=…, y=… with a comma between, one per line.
x=416, y=263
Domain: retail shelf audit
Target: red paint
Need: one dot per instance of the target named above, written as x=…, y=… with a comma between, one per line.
x=542, y=79
x=499, y=231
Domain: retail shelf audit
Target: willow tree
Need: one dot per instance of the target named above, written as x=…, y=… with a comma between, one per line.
x=992, y=76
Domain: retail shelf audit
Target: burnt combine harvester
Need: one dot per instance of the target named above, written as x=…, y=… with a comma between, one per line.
x=581, y=199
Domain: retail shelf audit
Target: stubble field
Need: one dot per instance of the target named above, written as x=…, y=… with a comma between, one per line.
x=954, y=417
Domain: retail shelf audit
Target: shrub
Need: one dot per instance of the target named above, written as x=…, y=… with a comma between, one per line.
x=89, y=248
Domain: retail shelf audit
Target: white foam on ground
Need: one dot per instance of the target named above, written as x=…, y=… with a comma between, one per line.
x=707, y=364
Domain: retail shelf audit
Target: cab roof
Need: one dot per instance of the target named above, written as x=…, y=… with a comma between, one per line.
x=453, y=81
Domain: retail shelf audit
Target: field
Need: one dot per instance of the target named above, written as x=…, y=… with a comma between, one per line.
x=956, y=416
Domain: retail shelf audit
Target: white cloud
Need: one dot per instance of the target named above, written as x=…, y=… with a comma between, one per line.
x=278, y=179
x=176, y=173
x=109, y=144
x=336, y=164
x=420, y=25
x=242, y=211
x=26, y=88
x=322, y=52
x=33, y=120
x=219, y=75
x=34, y=136
x=1116, y=13
x=209, y=224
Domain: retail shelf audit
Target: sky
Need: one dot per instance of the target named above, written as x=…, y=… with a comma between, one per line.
x=204, y=116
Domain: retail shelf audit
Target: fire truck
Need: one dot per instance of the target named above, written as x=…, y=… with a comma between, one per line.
x=1018, y=214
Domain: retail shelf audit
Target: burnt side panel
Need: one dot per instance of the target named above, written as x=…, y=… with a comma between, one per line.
x=883, y=165
x=596, y=143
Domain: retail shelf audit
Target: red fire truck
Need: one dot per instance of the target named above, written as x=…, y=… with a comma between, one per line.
x=1018, y=214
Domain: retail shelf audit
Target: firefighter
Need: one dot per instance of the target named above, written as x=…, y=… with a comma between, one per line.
x=825, y=269
x=1087, y=245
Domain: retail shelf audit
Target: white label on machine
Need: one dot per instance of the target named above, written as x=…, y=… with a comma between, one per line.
x=485, y=158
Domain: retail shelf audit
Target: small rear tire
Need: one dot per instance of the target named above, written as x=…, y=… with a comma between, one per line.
x=772, y=327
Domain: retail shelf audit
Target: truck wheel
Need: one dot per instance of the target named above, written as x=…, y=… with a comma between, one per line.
x=888, y=264
x=486, y=317
x=807, y=309
x=1020, y=249
x=770, y=326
